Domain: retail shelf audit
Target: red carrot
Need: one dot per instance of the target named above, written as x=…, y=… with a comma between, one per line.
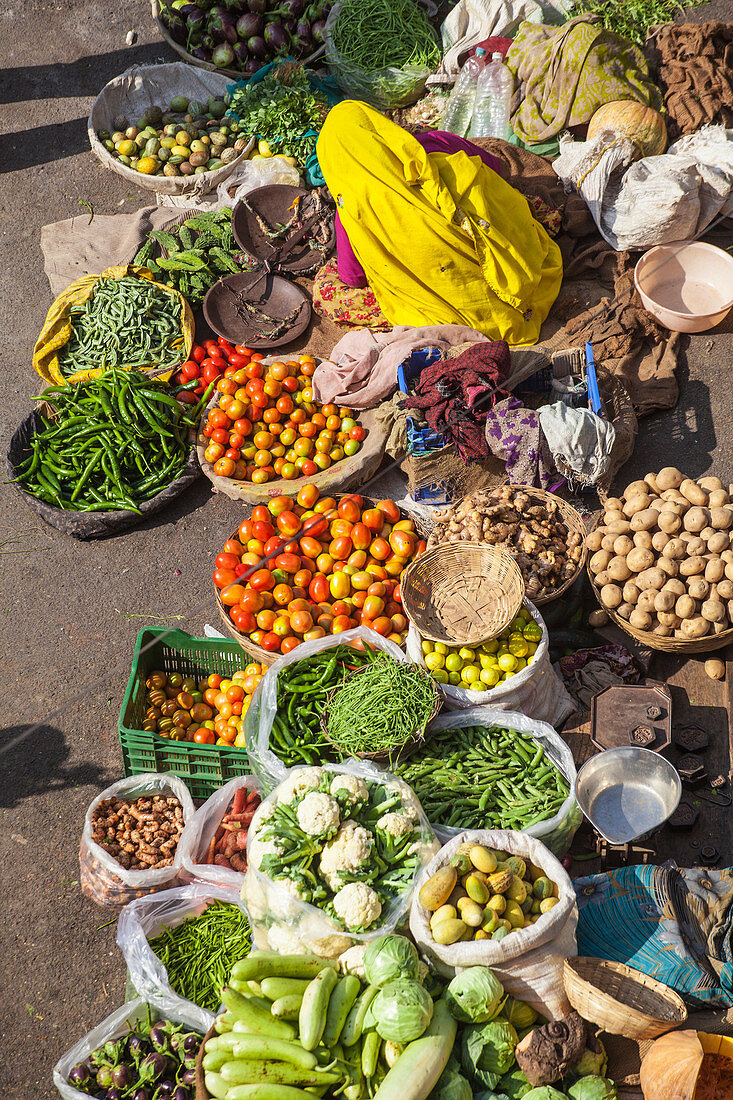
x=238, y=804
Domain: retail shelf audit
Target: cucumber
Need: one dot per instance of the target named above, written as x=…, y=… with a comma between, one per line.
x=250, y=1072
x=370, y=1053
x=314, y=1007
x=266, y=964
x=287, y=1008
x=273, y=988
x=416, y=1071
x=259, y=1019
x=266, y=1092
x=355, y=1020
x=216, y=1086
x=263, y=1047
x=341, y=1003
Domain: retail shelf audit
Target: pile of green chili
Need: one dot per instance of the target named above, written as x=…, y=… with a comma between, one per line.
x=199, y=953
x=381, y=709
x=126, y=322
x=114, y=442
x=302, y=690
x=380, y=34
x=485, y=778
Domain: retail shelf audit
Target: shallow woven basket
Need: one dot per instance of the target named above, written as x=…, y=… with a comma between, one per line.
x=462, y=593
x=399, y=753
x=201, y=1090
x=653, y=641
x=621, y=1000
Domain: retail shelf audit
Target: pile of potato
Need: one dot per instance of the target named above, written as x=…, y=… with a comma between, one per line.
x=662, y=557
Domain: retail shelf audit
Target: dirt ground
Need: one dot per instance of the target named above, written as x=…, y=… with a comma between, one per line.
x=70, y=611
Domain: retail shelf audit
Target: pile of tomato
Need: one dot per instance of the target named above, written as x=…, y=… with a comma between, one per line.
x=335, y=565
x=267, y=425
x=209, y=362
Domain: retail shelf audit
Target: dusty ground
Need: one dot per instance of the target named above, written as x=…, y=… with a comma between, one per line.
x=69, y=612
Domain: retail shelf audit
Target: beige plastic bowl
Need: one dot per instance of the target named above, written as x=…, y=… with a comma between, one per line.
x=686, y=285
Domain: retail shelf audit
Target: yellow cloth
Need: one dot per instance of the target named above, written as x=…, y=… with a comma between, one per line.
x=441, y=238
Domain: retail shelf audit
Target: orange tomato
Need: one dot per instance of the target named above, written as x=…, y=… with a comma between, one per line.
x=301, y=622
x=324, y=563
x=325, y=505
x=282, y=594
x=377, y=571
x=271, y=642
x=251, y=601
x=281, y=626
x=361, y=581
x=290, y=563
x=340, y=607
x=395, y=566
x=232, y=595
x=402, y=543
x=262, y=580
x=390, y=510
x=319, y=588
x=310, y=547
x=315, y=525
x=377, y=588
x=341, y=527
x=288, y=644
x=361, y=536
x=341, y=623
x=399, y=623
x=373, y=607
x=380, y=549
x=245, y=530
x=340, y=548
x=382, y=625
x=288, y=523
x=272, y=387
x=298, y=605
x=302, y=578
x=204, y=736
x=265, y=619
x=373, y=518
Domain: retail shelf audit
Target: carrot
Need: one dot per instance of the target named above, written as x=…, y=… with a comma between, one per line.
x=239, y=799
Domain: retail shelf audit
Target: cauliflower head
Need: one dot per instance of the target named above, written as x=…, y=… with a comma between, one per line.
x=352, y=961
x=298, y=784
x=357, y=905
x=396, y=824
x=318, y=814
x=258, y=849
x=351, y=787
x=348, y=851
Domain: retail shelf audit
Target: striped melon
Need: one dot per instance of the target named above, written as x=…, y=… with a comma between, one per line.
x=633, y=120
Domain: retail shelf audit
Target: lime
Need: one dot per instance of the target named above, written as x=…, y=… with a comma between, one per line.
x=490, y=647
x=531, y=649
x=434, y=661
x=441, y=648
x=490, y=677
x=470, y=674
x=454, y=679
x=440, y=675
x=521, y=663
x=516, y=625
x=507, y=662
x=453, y=662
x=533, y=632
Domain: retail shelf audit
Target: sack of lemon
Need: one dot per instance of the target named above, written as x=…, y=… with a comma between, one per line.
x=482, y=667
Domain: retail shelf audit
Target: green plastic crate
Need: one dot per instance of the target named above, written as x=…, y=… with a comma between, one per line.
x=203, y=768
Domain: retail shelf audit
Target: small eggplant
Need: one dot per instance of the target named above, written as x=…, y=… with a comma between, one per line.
x=257, y=47
x=141, y=1094
x=181, y=1093
x=189, y=1077
x=201, y=54
x=154, y=1066
x=165, y=1089
x=114, y=1094
x=79, y=1075
x=191, y=1043
x=159, y=1038
x=136, y=1046
x=241, y=53
x=253, y=66
x=122, y=1076
x=318, y=32
x=223, y=55
x=248, y=24
x=104, y=1077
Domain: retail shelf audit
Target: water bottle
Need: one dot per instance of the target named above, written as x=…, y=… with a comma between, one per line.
x=460, y=105
x=493, y=100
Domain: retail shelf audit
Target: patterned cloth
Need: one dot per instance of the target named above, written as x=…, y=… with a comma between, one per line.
x=589, y=671
x=456, y=394
x=513, y=434
x=673, y=924
x=566, y=73
x=349, y=306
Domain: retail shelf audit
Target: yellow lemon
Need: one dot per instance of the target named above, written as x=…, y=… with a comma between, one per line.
x=441, y=648
x=434, y=661
x=426, y=646
x=490, y=647
x=517, y=646
x=440, y=675
x=487, y=660
x=507, y=662
x=470, y=674
x=490, y=677
x=453, y=662
x=466, y=654
x=532, y=632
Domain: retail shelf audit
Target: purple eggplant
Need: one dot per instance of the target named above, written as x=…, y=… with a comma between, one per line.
x=292, y=9
x=153, y=1067
x=217, y=11
x=223, y=29
x=104, y=1077
x=189, y=1077
x=159, y=1038
x=223, y=56
x=181, y=1093
x=303, y=35
x=253, y=66
x=249, y=24
x=257, y=6
x=257, y=47
x=189, y=9
x=165, y=1089
x=136, y=1046
x=177, y=29
x=209, y=42
x=114, y=1094
x=80, y=1075
x=191, y=1043
x=122, y=1076
x=318, y=31
x=241, y=53
x=141, y=1094
x=201, y=54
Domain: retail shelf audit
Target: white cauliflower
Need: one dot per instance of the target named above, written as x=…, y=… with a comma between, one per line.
x=352, y=786
x=281, y=939
x=318, y=814
x=352, y=961
x=395, y=824
x=348, y=851
x=291, y=887
x=357, y=905
x=298, y=784
x=258, y=849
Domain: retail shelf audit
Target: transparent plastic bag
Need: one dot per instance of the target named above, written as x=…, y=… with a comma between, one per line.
x=280, y=920
x=102, y=878
x=529, y=962
x=556, y=832
x=536, y=690
x=251, y=174
x=267, y=767
x=199, y=832
x=114, y=1027
x=144, y=919
x=386, y=89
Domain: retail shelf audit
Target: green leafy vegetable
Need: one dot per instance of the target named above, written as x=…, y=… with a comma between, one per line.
x=282, y=108
x=474, y=995
x=593, y=1088
x=519, y=1014
x=633, y=18
x=390, y=957
x=452, y=1085
x=593, y=1062
x=402, y=1010
x=487, y=1051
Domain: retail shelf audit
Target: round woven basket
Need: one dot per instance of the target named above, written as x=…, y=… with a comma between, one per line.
x=653, y=641
x=388, y=756
x=201, y=1090
x=621, y=1000
x=462, y=593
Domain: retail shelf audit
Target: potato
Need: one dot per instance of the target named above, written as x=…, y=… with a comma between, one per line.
x=662, y=631
x=668, y=618
x=692, y=491
x=611, y=596
x=655, y=503
x=696, y=519
x=660, y=540
x=715, y=668
x=613, y=504
x=672, y=496
x=718, y=628
x=725, y=589
x=608, y=541
x=640, y=619
x=651, y=480
x=675, y=585
x=729, y=571
x=639, y=559
x=636, y=504
x=690, y=566
x=715, y=570
x=625, y=610
x=718, y=498
x=631, y=592
x=664, y=600
x=643, y=540
x=721, y=518
x=669, y=522
x=619, y=527
x=599, y=561
x=729, y=607
x=651, y=578
x=710, y=483
x=727, y=555
x=598, y=618
x=669, y=567
x=646, y=601
x=685, y=607
x=695, y=546
x=698, y=588
x=675, y=549
x=669, y=478
x=718, y=542
x=644, y=520
x=713, y=611
x=623, y=546
x=612, y=515
x=618, y=569
x=706, y=534
x=636, y=489
x=695, y=628
x=603, y=578
x=593, y=542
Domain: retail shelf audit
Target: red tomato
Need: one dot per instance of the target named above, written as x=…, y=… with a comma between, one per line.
x=317, y=526
x=212, y=347
x=190, y=370
x=237, y=360
x=341, y=623
x=210, y=371
x=262, y=580
x=240, y=568
x=220, y=436
x=260, y=514
x=289, y=563
x=380, y=549
x=288, y=644
x=272, y=544
x=288, y=523
x=198, y=354
x=232, y=595
x=242, y=349
x=340, y=548
x=318, y=589
x=350, y=508
x=373, y=519
x=243, y=620
x=245, y=530
x=263, y=530
x=226, y=561
x=223, y=577
x=402, y=543
x=358, y=434
x=252, y=601
x=271, y=642
x=361, y=536
x=302, y=578
x=219, y=419
x=390, y=510
x=225, y=345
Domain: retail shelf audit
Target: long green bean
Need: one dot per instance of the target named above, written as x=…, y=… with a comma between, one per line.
x=380, y=34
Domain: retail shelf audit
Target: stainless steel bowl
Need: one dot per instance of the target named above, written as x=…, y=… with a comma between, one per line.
x=627, y=793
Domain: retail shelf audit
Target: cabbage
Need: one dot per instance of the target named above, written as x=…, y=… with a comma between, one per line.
x=592, y=1064
x=402, y=1010
x=544, y=1092
x=389, y=958
x=487, y=1051
x=593, y=1088
x=519, y=1014
x=451, y=1085
x=474, y=995
x=514, y=1084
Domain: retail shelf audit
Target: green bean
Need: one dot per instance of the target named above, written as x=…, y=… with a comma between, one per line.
x=380, y=34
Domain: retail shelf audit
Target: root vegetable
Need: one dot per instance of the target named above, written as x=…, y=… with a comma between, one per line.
x=116, y=828
x=721, y=518
x=669, y=478
x=593, y=542
x=640, y=619
x=651, y=480
x=713, y=611
x=646, y=601
x=696, y=519
x=608, y=541
x=662, y=631
x=698, y=588
x=690, y=566
x=644, y=520
x=639, y=559
x=618, y=569
x=611, y=596
x=598, y=618
x=715, y=668
x=668, y=618
x=692, y=492
x=660, y=540
x=599, y=561
x=668, y=566
x=624, y=610
x=622, y=546
x=614, y=504
x=669, y=522
x=619, y=527
x=547, y=1053
x=710, y=483
x=651, y=578
x=718, y=497
x=631, y=592
x=725, y=589
x=664, y=601
x=643, y=539
x=636, y=489
x=718, y=542
x=695, y=545
x=675, y=549
x=636, y=504
x=695, y=628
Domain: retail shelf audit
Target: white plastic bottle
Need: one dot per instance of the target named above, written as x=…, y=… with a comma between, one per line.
x=493, y=100
x=459, y=110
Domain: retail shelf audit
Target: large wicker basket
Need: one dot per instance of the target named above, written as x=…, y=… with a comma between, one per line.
x=621, y=1000
x=462, y=593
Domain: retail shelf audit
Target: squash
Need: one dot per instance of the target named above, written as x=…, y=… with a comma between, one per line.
x=627, y=118
x=683, y=1065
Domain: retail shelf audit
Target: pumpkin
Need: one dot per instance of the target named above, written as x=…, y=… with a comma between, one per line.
x=688, y=1065
x=633, y=120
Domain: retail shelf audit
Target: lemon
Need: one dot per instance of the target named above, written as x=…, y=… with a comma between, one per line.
x=453, y=662
x=434, y=661
x=426, y=646
x=454, y=679
x=517, y=646
x=466, y=654
x=533, y=632
x=490, y=647
x=264, y=149
x=470, y=674
x=488, y=660
x=440, y=675
x=489, y=677
x=531, y=649
x=441, y=648
x=507, y=662
x=521, y=663
x=516, y=625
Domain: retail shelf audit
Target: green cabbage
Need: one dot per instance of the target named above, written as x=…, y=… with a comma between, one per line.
x=389, y=958
x=402, y=1010
x=487, y=1051
x=544, y=1092
x=593, y=1088
x=592, y=1064
x=452, y=1085
x=519, y=1014
x=515, y=1084
x=474, y=995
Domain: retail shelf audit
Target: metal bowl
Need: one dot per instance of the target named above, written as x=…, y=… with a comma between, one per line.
x=627, y=793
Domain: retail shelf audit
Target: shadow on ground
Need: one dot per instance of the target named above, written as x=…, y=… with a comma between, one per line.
x=39, y=762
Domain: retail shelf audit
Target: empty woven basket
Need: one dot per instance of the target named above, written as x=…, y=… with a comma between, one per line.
x=462, y=593
x=621, y=1000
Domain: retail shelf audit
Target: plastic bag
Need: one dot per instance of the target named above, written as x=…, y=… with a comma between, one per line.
x=281, y=921
x=114, y=1027
x=536, y=690
x=556, y=832
x=144, y=919
x=198, y=834
x=529, y=962
x=251, y=174
x=386, y=89
x=102, y=878
x=267, y=767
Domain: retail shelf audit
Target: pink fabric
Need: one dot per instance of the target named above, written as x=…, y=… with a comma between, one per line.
x=362, y=370
x=350, y=270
